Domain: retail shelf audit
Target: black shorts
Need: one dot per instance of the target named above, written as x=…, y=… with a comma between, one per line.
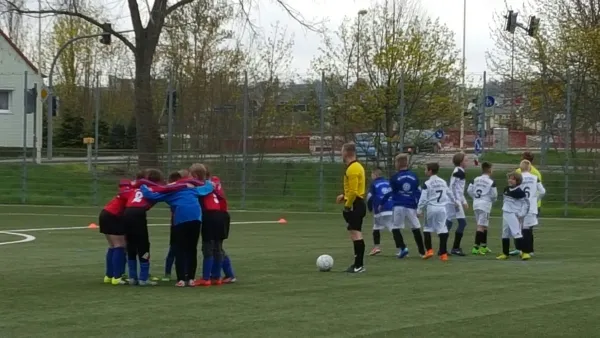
x=135, y=223
x=215, y=225
x=110, y=224
x=354, y=218
x=539, y=212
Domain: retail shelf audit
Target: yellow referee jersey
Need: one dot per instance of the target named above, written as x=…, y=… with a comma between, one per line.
x=354, y=183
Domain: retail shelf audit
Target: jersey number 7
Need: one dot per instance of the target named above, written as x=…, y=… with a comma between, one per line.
x=439, y=192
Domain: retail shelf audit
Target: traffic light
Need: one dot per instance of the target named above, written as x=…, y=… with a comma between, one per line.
x=105, y=39
x=534, y=26
x=32, y=95
x=55, y=101
x=511, y=21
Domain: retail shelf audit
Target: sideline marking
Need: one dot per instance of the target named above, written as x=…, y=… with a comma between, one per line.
x=26, y=238
x=15, y=232
x=256, y=211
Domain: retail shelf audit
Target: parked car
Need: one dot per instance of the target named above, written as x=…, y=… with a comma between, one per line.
x=421, y=141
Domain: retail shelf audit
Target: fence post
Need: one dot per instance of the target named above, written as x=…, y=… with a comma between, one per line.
x=245, y=140
x=24, y=172
x=567, y=143
x=170, y=124
x=96, y=137
x=322, y=142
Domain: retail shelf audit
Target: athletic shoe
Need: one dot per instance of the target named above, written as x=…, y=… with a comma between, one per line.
x=486, y=249
x=132, y=281
x=444, y=257
x=216, y=281
x=202, y=282
x=525, y=256
x=107, y=280
x=457, y=252
x=118, y=281
x=375, y=251
x=147, y=283
x=502, y=257
x=353, y=269
x=180, y=284
x=191, y=283
x=428, y=254
x=229, y=280
x=402, y=253
x=515, y=252
x=476, y=251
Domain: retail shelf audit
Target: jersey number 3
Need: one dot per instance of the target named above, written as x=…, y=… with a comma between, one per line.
x=478, y=193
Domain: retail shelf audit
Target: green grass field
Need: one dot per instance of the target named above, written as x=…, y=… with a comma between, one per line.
x=51, y=287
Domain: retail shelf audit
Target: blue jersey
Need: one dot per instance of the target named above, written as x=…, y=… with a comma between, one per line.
x=378, y=189
x=405, y=189
x=184, y=203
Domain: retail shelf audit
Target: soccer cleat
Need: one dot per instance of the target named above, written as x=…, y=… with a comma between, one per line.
x=402, y=253
x=191, y=283
x=525, y=256
x=428, y=254
x=147, y=283
x=444, y=257
x=180, y=284
x=107, y=280
x=502, y=257
x=531, y=254
x=118, y=281
x=486, y=249
x=475, y=251
x=515, y=252
x=216, y=281
x=202, y=282
x=166, y=279
x=132, y=281
x=375, y=251
x=482, y=251
x=457, y=252
x=353, y=269
x=229, y=280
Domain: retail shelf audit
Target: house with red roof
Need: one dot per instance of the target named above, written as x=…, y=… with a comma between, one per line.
x=15, y=125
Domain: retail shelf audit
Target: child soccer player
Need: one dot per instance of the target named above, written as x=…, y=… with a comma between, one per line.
x=136, y=222
x=456, y=209
x=229, y=276
x=514, y=207
x=187, y=222
x=405, y=194
x=112, y=226
x=383, y=213
x=534, y=190
x=434, y=198
x=484, y=193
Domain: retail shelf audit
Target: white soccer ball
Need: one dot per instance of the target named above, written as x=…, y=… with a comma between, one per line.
x=325, y=263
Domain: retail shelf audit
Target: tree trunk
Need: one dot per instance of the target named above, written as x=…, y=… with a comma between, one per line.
x=147, y=126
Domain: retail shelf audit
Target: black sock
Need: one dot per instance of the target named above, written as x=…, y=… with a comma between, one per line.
x=484, y=238
x=359, y=253
x=376, y=237
x=398, y=239
x=419, y=240
x=478, y=238
x=526, y=242
x=505, y=245
x=427, y=240
x=444, y=243
x=531, y=241
x=519, y=244
x=457, y=238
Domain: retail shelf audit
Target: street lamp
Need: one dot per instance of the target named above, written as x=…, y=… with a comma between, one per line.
x=360, y=13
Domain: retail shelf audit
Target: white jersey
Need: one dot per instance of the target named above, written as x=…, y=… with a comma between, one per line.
x=515, y=201
x=457, y=186
x=533, y=188
x=484, y=193
x=434, y=193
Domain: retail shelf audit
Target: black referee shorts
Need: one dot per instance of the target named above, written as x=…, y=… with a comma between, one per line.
x=354, y=218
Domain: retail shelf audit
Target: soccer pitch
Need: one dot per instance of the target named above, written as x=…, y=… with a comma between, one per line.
x=52, y=284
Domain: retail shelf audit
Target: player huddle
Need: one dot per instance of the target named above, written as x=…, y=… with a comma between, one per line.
x=198, y=210
x=402, y=199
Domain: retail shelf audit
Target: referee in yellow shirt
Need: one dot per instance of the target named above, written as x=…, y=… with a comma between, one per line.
x=529, y=157
x=355, y=208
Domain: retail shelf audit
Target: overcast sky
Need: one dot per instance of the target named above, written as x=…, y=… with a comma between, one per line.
x=478, y=22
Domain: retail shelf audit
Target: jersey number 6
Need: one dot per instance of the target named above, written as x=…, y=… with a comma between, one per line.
x=526, y=191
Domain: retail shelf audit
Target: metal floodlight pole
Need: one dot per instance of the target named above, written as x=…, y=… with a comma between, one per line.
x=50, y=84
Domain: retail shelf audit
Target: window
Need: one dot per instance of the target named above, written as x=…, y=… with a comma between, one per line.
x=5, y=101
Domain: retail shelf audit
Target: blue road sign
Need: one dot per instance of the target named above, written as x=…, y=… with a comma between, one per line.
x=478, y=145
x=489, y=101
x=439, y=134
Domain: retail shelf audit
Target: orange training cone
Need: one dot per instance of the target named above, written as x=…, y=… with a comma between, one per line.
x=92, y=226
x=282, y=221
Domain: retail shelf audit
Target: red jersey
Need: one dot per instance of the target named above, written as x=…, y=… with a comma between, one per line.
x=214, y=201
x=135, y=199
x=116, y=205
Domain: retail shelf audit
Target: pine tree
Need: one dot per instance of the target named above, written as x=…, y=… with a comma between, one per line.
x=118, y=136
x=131, y=135
x=71, y=131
